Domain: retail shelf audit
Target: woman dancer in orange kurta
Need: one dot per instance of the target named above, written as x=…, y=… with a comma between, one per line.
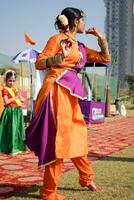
x=58, y=130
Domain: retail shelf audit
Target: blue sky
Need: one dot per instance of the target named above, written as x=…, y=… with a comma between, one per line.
x=36, y=17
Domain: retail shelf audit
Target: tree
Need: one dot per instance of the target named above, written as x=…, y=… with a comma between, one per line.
x=4, y=68
x=130, y=80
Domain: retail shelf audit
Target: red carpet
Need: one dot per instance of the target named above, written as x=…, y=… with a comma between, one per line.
x=20, y=171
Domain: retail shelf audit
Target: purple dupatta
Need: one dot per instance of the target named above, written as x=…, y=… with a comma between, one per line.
x=40, y=135
x=70, y=80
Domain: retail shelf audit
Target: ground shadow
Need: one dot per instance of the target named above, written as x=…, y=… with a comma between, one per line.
x=72, y=189
x=21, y=191
x=123, y=159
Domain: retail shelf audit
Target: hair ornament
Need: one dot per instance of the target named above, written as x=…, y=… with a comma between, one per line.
x=12, y=72
x=63, y=19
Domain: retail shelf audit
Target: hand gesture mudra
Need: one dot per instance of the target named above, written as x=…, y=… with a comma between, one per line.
x=65, y=45
x=94, y=32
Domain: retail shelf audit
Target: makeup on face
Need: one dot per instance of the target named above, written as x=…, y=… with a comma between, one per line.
x=10, y=82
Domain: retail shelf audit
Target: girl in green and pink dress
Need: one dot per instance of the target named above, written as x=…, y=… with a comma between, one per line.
x=12, y=132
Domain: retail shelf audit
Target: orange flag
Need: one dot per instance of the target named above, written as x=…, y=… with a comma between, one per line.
x=28, y=39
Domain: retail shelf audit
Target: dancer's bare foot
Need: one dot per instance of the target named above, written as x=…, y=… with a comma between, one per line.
x=94, y=188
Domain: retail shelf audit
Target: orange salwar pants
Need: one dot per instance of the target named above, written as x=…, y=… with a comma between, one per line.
x=53, y=172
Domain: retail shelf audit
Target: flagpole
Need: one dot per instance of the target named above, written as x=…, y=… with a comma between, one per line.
x=30, y=41
x=31, y=90
x=21, y=74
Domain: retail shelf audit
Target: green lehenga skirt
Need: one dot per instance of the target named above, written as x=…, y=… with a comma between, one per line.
x=12, y=131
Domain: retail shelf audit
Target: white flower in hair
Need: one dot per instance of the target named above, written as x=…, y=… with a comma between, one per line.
x=63, y=19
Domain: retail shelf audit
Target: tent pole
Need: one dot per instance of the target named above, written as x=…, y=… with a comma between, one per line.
x=21, y=75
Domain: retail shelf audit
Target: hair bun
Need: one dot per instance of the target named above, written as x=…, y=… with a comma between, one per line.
x=62, y=23
x=63, y=19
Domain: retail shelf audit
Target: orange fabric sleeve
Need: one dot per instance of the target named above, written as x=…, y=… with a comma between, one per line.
x=96, y=56
x=52, y=48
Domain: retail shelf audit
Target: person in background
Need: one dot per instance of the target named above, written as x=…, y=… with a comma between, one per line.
x=57, y=130
x=12, y=132
x=120, y=108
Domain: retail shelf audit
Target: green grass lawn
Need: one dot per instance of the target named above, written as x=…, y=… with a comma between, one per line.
x=115, y=174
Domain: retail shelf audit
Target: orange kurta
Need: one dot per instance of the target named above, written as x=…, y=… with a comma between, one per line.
x=53, y=48
x=71, y=135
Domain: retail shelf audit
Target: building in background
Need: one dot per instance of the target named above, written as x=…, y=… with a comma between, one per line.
x=119, y=28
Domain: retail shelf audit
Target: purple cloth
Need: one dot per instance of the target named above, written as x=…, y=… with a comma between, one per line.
x=70, y=80
x=82, y=48
x=40, y=135
x=93, y=112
